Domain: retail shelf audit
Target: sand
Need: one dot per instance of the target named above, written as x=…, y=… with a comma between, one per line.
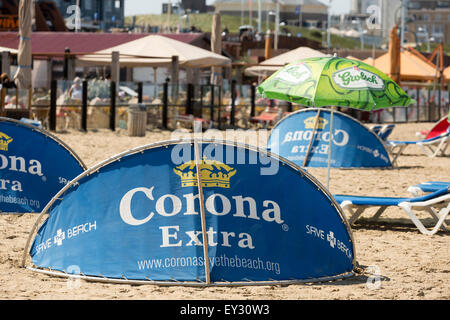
x=410, y=265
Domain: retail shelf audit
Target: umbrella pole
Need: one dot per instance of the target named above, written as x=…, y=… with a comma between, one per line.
x=202, y=212
x=316, y=120
x=329, y=148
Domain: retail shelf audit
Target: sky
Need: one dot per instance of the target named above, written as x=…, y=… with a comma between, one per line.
x=133, y=7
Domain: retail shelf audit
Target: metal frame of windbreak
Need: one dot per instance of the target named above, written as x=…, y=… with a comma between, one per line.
x=195, y=142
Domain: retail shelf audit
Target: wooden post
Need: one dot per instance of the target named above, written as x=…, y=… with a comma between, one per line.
x=5, y=62
x=417, y=104
x=165, y=103
x=52, y=115
x=115, y=66
x=233, y=101
x=112, y=108
x=189, y=106
x=174, y=77
x=289, y=108
x=84, y=107
x=268, y=46
x=219, y=104
x=66, y=63
x=140, y=91
x=211, y=108
x=252, y=100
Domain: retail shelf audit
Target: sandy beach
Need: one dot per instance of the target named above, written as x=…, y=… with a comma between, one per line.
x=411, y=265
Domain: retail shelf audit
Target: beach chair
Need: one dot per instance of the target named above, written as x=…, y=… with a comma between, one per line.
x=190, y=120
x=269, y=117
x=431, y=203
x=376, y=128
x=439, y=128
x=427, y=187
x=431, y=147
x=386, y=131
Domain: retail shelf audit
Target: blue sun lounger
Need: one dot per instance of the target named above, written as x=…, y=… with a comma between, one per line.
x=386, y=131
x=376, y=128
x=383, y=131
x=437, y=204
x=426, y=187
x=431, y=147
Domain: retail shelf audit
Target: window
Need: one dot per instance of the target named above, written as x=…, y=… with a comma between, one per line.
x=437, y=17
x=117, y=4
x=413, y=5
x=426, y=17
x=108, y=5
x=88, y=4
x=437, y=29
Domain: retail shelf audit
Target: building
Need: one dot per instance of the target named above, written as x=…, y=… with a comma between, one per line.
x=292, y=12
x=55, y=15
x=95, y=14
x=187, y=6
x=387, y=14
x=428, y=21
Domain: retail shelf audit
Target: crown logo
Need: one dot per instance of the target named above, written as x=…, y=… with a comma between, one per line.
x=213, y=174
x=321, y=123
x=4, y=141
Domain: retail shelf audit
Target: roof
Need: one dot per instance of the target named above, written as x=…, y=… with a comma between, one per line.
x=447, y=74
x=81, y=42
x=412, y=68
x=271, y=65
x=156, y=50
x=12, y=51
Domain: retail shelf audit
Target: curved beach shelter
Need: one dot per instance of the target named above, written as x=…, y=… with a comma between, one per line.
x=156, y=51
x=34, y=166
x=354, y=145
x=269, y=66
x=193, y=213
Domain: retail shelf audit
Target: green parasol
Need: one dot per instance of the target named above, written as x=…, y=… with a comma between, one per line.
x=334, y=81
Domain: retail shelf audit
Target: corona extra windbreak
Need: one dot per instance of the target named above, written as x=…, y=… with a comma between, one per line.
x=34, y=166
x=353, y=144
x=138, y=217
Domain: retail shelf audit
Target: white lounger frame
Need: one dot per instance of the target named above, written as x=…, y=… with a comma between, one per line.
x=431, y=206
x=430, y=148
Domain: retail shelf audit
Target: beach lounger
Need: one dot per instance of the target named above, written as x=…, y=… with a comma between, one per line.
x=386, y=131
x=190, y=120
x=431, y=147
x=269, y=117
x=431, y=203
x=439, y=128
x=427, y=187
x=376, y=129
